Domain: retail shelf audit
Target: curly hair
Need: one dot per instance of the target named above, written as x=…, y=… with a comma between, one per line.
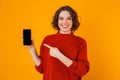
x=73, y=14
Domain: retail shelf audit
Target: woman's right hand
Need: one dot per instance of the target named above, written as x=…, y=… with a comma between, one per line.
x=32, y=46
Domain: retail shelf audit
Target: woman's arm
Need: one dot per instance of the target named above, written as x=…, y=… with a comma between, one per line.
x=54, y=52
x=79, y=67
x=34, y=54
x=65, y=60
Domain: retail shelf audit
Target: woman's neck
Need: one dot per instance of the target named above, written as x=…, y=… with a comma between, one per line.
x=61, y=32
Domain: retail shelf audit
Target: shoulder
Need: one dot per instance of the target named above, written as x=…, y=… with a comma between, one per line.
x=49, y=37
x=80, y=40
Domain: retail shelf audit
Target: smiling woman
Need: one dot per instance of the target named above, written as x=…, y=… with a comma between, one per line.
x=65, y=22
x=66, y=14
x=63, y=56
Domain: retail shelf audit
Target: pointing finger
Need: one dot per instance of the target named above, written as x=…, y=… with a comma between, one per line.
x=47, y=45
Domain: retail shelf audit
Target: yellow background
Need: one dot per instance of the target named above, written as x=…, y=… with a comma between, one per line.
x=100, y=26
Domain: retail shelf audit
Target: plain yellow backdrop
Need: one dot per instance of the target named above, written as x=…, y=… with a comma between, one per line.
x=100, y=27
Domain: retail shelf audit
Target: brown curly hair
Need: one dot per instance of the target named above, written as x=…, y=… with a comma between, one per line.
x=73, y=14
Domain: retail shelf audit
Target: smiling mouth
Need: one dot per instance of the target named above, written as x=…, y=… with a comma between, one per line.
x=64, y=26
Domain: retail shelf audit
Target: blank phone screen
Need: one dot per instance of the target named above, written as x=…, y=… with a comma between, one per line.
x=27, y=36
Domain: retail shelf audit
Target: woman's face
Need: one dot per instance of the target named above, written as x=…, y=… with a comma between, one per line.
x=65, y=22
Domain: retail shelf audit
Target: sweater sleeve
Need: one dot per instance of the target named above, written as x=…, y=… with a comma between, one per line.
x=40, y=67
x=81, y=65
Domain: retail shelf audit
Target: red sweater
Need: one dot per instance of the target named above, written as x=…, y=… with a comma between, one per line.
x=71, y=46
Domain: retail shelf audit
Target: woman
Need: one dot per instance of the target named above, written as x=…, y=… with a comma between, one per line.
x=63, y=56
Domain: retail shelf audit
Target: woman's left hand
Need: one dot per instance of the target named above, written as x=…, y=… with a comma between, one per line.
x=54, y=51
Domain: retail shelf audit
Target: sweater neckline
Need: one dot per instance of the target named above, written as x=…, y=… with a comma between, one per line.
x=59, y=34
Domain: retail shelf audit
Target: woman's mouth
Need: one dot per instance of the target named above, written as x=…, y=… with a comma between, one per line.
x=65, y=26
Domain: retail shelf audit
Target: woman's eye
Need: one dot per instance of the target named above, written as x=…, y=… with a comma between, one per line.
x=69, y=18
x=60, y=18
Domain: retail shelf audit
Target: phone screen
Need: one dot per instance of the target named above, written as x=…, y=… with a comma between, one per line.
x=26, y=36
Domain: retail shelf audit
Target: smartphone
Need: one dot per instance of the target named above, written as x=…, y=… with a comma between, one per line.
x=27, y=37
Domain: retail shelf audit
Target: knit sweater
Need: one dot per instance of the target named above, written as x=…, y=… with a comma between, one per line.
x=71, y=46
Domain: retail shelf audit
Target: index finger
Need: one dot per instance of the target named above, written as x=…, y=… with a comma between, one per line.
x=47, y=45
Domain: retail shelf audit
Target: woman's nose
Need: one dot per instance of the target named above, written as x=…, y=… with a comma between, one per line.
x=65, y=21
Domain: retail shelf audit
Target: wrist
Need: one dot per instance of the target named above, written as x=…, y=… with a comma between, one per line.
x=67, y=61
x=60, y=56
x=32, y=49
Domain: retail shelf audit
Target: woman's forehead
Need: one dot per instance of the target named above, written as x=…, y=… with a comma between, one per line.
x=64, y=13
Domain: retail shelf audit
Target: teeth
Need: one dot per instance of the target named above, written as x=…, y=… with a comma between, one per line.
x=65, y=26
